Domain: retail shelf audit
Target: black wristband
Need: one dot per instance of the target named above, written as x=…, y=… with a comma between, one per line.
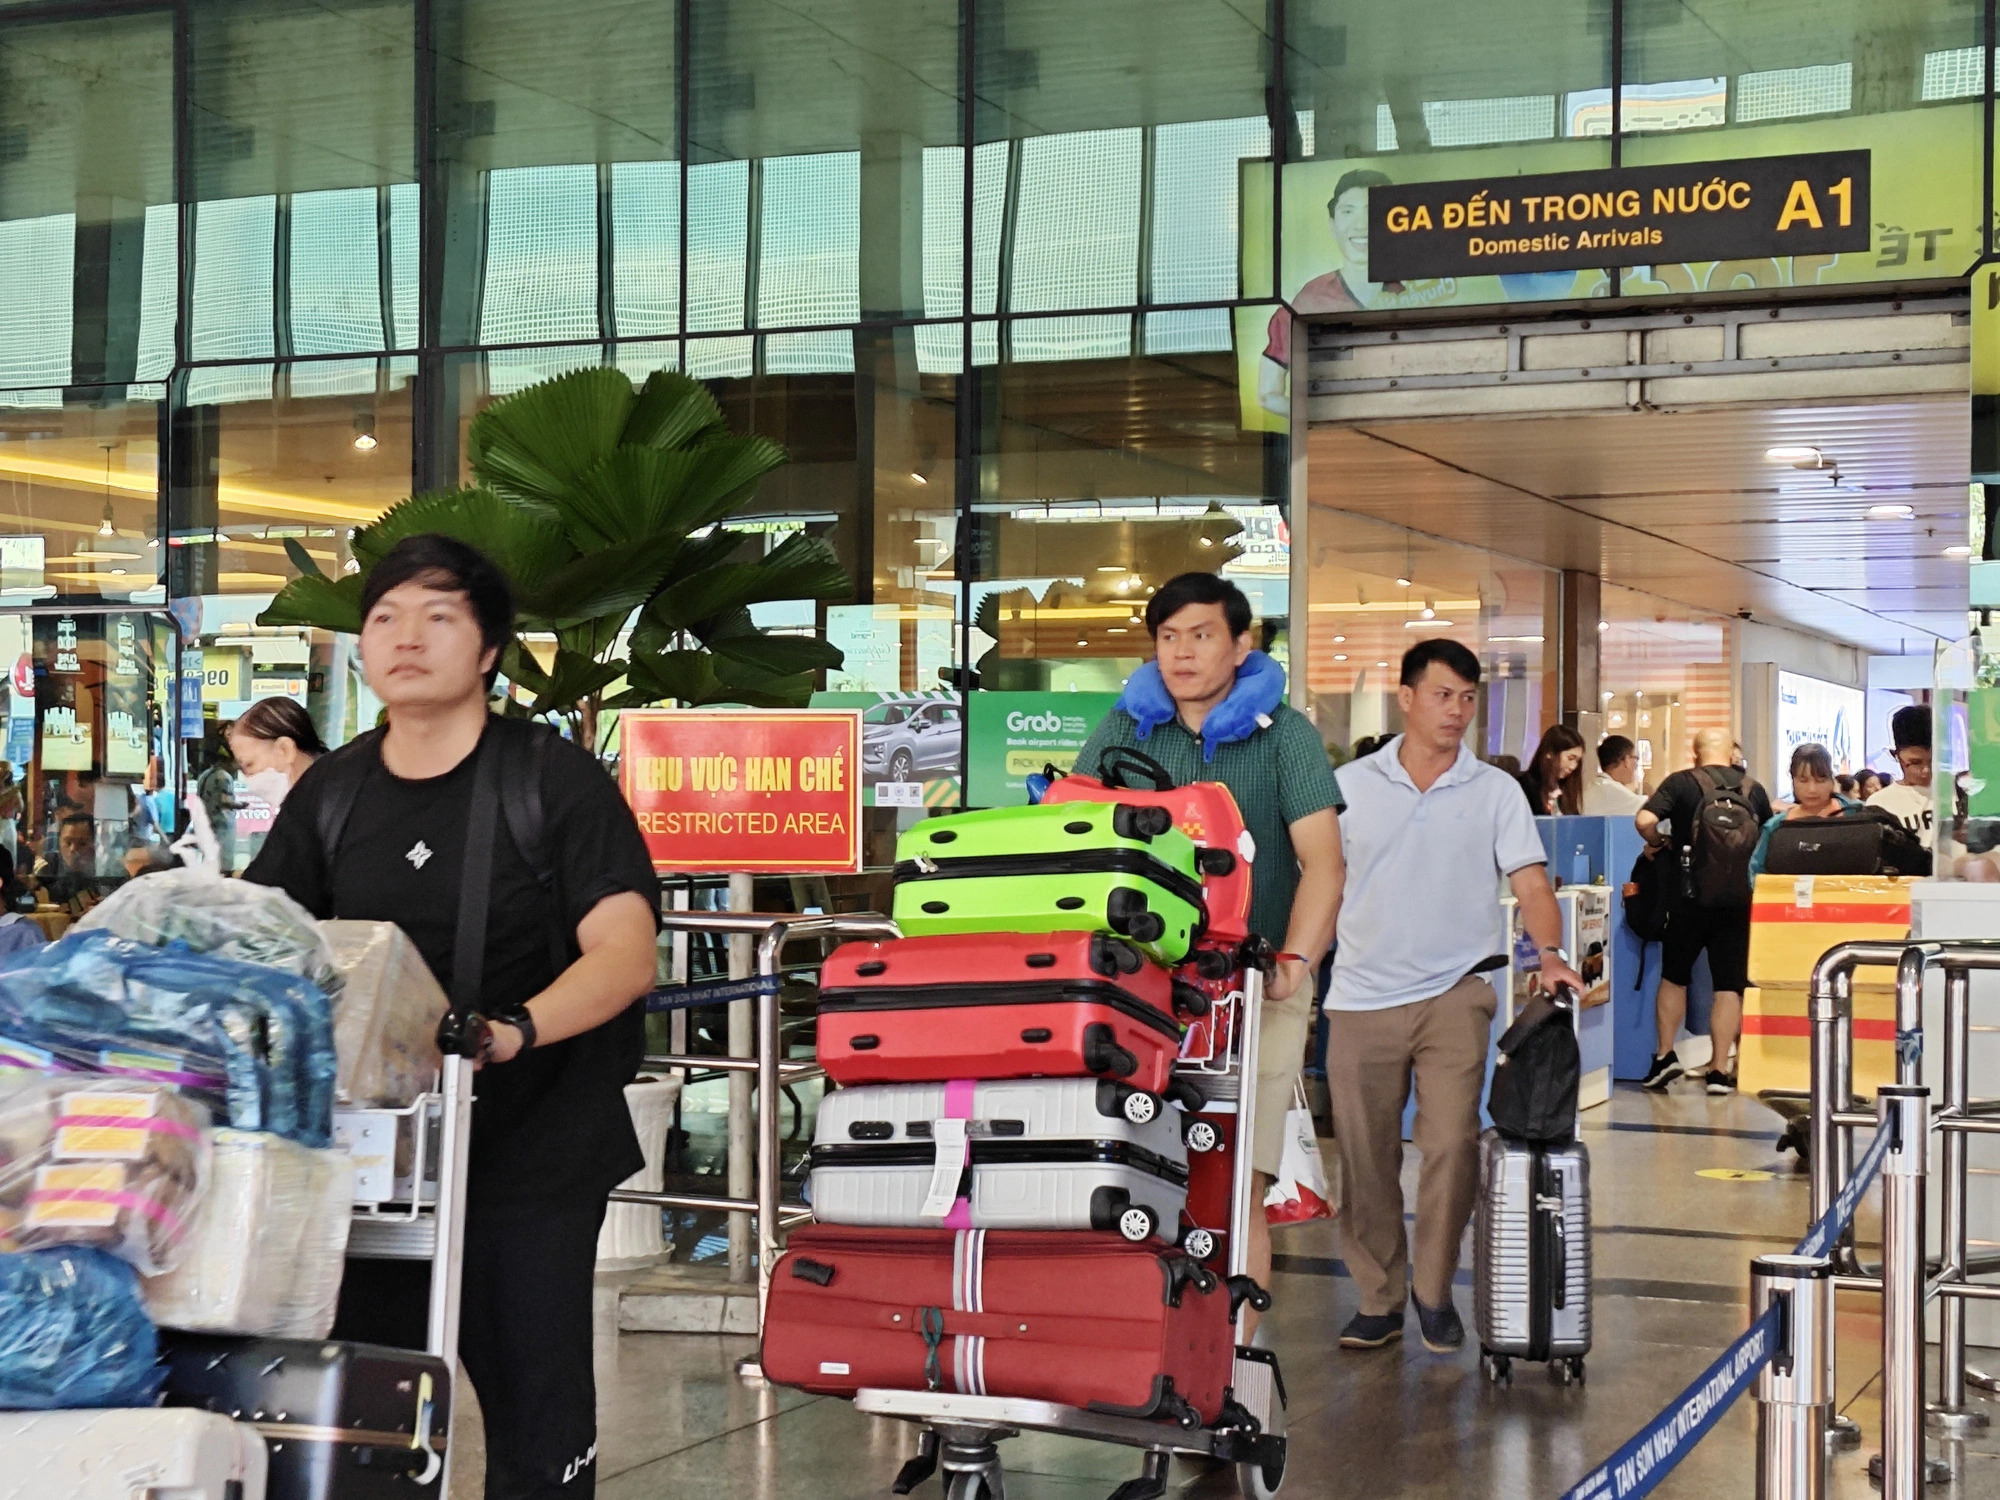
x=520, y=1019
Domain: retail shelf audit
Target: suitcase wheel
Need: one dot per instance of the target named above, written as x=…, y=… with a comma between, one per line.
x=1200, y=1243
x=1136, y=1222
x=1140, y=1107
x=1142, y=823
x=1499, y=1368
x=1567, y=1371
x=1202, y=1136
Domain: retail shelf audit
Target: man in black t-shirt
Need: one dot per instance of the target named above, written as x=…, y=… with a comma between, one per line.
x=1668, y=823
x=569, y=949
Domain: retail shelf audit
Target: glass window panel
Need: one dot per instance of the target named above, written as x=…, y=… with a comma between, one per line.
x=541, y=255
x=1953, y=73
x=510, y=370
x=646, y=246
x=809, y=353
x=1787, y=92
x=1195, y=229
x=221, y=385
x=234, y=241
x=86, y=148
x=1076, y=235
x=335, y=272
x=640, y=360
x=404, y=209
x=37, y=266
x=1382, y=79
x=721, y=359
x=807, y=82
x=944, y=231
x=989, y=206
x=718, y=231
x=940, y=348
x=159, y=292
x=517, y=92
x=809, y=240
x=1191, y=330
x=70, y=468
x=1100, y=480
x=1091, y=336
x=1868, y=56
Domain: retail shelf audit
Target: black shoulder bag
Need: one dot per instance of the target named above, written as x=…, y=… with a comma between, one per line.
x=1538, y=1074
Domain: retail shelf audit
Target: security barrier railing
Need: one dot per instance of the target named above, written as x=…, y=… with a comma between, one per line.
x=1790, y=1342
x=765, y=1059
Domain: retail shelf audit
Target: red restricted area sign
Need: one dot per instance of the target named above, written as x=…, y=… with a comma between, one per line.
x=765, y=790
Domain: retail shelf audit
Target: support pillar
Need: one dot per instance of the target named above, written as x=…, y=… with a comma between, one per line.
x=1570, y=653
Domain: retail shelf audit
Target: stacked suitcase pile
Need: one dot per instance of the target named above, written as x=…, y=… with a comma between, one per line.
x=1000, y=1184
x=174, y=1212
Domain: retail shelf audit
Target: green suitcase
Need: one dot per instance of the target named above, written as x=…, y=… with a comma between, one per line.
x=1081, y=866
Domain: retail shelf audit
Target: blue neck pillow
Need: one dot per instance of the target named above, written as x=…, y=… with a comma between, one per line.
x=1259, y=689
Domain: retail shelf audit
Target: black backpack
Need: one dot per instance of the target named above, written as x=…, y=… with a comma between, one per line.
x=1724, y=839
x=1538, y=1073
x=1650, y=894
x=1859, y=841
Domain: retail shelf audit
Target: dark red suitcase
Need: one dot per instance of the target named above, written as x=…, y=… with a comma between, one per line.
x=998, y=1005
x=1082, y=1319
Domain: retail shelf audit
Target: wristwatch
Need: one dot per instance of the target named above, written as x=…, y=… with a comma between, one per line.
x=517, y=1016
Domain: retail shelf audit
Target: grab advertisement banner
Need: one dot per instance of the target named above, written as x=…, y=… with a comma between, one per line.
x=765, y=791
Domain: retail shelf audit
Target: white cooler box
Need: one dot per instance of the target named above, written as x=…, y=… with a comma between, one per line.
x=172, y=1453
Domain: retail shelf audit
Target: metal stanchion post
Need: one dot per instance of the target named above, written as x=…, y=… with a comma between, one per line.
x=742, y=1043
x=1830, y=1008
x=1905, y=1110
x=1950, y=1413
x=1794, y=1399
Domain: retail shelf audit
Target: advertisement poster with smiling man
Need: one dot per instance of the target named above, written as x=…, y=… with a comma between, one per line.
x=1923, y=198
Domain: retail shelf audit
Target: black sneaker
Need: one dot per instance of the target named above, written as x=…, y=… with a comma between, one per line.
x=1372, y=1330
x=1721, y=1083
x=1665, y=1069
x=1440, y=1327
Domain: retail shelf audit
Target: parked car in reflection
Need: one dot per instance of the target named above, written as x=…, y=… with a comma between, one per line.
x=908, y=739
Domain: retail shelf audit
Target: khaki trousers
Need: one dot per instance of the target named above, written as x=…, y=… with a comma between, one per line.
x=1371, y=1058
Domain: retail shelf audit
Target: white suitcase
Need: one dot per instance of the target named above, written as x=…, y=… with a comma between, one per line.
x=1024, y=1153
x=158, y=1453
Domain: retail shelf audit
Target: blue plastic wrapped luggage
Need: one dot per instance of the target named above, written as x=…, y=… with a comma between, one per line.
x=254, y=1041
x=74, y=1332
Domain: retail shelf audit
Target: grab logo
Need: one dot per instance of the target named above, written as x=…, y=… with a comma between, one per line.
x=1019, y=723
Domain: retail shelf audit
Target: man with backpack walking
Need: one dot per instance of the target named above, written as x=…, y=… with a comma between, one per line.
x=1712, y=814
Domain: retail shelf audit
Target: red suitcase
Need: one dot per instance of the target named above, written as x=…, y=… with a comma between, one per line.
x=1081, y=1319
x=997, y=1005
x=1203, y=810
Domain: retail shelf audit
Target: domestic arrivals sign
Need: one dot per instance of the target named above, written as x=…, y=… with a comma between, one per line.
x=769, y=791
x=1686, y=212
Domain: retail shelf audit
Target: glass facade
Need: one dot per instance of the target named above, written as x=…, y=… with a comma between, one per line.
x=998, y=274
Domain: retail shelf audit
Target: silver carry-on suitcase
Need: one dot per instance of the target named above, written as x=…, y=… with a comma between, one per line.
x=115, y=1454
x=1531, y=1288
x=1023, y=1153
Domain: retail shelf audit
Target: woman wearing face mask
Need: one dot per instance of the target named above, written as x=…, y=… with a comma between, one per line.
x=274, y=742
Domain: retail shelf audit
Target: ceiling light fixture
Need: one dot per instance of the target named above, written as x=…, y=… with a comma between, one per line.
x=1402, y=583
x=1602, y=626
x=1960, y=550
x=918, y=478
x=1339, y=640
x=1531, y=640
x=1381, y=664
x=1081, y=641
x=1891, y=512
x=1425, y=624
x=1798, y=455
x=1111, y=567
x=1430, y=611
x=364, y=431
x=1340, y=656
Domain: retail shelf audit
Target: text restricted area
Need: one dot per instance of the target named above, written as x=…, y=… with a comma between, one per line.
x=767, y=791
x=1749, y=209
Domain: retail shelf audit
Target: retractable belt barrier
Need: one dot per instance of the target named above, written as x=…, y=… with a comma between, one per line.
x=1650, y=1454
x=715, y=992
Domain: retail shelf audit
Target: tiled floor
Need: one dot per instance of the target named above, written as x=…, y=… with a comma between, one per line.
x=1672, y=1255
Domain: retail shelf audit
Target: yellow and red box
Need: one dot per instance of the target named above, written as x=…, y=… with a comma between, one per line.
x=1793, y=920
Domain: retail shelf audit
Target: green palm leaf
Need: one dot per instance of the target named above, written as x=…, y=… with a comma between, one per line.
x=780, y=655
x=534, y=444
x=574, y=679
x=611, y=582
x=315, y=600
x=527, y=546
x=633, y=492
x=800, y=567
x=671, y=411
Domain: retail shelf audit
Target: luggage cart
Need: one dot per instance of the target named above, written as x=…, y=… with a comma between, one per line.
x=430, y=1225
x=961, y=1433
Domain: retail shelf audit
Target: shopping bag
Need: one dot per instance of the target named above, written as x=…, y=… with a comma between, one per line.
x=1300, y=1193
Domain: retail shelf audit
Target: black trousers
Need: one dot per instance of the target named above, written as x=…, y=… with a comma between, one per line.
x=524, y=1335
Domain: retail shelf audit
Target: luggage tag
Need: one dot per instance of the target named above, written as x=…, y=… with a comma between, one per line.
x=953, y=1151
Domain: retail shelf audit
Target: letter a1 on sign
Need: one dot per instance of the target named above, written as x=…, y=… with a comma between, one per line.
x=766, y=791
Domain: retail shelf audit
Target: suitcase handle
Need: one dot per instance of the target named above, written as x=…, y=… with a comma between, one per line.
x=1553, y=1206
x=1116, y=765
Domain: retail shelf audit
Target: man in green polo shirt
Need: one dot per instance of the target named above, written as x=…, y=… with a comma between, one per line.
x=1209, y=707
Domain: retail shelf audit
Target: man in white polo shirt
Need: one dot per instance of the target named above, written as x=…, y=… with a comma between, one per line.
x=1430, y=833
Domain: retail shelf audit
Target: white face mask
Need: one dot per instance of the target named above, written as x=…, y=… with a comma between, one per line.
x=269, y=787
